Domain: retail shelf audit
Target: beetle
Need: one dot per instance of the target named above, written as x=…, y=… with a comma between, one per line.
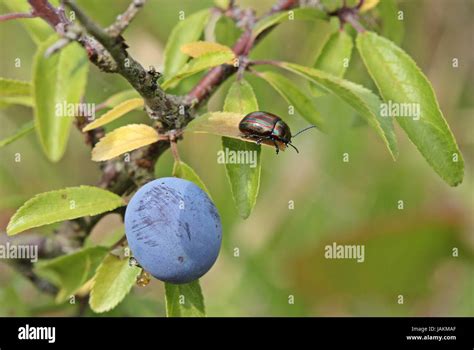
x=268, y=128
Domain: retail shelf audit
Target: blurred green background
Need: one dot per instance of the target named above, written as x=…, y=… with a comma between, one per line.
x=281, y=251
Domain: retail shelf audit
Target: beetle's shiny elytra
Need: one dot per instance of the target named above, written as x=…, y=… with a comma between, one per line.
x=265, y=127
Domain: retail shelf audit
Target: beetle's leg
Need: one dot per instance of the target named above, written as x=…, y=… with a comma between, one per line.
x=276, y=146
x=259, y=141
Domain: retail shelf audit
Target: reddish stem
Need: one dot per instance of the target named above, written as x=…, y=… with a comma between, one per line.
x=217, y=75
x=9, y=16
x=43, y=9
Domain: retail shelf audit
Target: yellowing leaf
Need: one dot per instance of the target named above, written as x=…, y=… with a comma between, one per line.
x=223, y=4
x=120, y=97
x=124, y=139
x=199, y=48
x=368, y=5
x=115, y=113
x=217, y=123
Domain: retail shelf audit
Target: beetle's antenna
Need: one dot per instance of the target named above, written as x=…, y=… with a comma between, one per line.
x=296, y=149
x=299, y=132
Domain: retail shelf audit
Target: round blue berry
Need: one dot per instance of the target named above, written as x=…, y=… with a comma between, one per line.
x=173, y=230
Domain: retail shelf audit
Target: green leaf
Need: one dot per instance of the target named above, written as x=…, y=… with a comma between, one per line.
x=184, y=171
x=186, y=31
x=364, y=101
x=15, y=92
x=305, y=14
x=392, y=27
x=11, y=302
x=184, y=300
x=58, y=81
x=226, y=31
x=26, y=101
x=336, y=54
x=241, y=99
x=334, y=57
x=37, y=28
x=112, y=282
x=70, y=272
x=400, y=81
x=107, y=239
x=244, y=178
x=120, y=97
x=294, y=96
x=14, y=88
x=197, y=65
x=25, y=129
x=68, y=203
x=331, y=5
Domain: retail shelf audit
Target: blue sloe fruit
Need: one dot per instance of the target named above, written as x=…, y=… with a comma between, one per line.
x=173, y=230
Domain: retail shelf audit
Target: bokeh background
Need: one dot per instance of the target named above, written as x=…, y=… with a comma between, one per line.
x=281, y=251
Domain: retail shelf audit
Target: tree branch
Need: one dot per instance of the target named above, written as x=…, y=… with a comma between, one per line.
x=107, y=50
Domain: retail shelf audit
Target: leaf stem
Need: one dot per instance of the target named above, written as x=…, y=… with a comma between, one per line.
x=10, y=16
